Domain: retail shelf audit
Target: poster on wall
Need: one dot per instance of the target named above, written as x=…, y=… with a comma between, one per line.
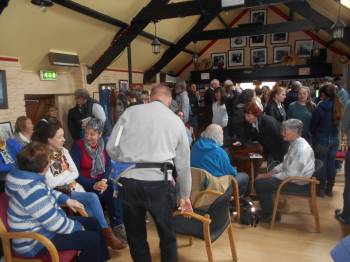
x=257, y=40
x=3, y=90
x=238, y=41
x=303, y=48
x=123, y=86
x=236, y=58
x=281, y=53
x=218, y=60
x=258, y=56
x=279, y=38
x=258, y=16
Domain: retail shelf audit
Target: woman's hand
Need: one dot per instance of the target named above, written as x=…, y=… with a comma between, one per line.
x=101, y=186
x=73, y=204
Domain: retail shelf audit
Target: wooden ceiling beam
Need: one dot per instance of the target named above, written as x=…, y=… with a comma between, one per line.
x=122, y=42
x=109, y=20
x=201, y=7
x=257, y=29
x=173, y=51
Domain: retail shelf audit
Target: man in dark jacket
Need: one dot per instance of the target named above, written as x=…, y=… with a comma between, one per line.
x=191, y=91
x=86, y=107
x=292, y=95
x=209, y=100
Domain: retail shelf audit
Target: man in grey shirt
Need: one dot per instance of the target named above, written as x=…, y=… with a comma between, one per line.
x=149, y=136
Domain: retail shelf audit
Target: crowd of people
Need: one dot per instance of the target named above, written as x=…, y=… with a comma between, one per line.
x=292, y=125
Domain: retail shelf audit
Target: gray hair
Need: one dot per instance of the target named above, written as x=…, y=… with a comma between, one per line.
x=81, y=93
x=296, y=85
x=95, y=124
x=214, y=132
x=294, y=125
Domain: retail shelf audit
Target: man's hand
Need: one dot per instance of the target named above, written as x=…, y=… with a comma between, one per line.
x=262, y=176
x=185, y=205
x=73, y=204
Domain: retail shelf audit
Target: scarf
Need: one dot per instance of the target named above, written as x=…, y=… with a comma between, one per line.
x=58, y=162
x=98, y=163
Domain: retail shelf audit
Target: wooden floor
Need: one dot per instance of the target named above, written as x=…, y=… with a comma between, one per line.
x=292, y=240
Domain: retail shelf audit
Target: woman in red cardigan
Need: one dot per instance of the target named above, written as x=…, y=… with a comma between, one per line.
x=94, y=165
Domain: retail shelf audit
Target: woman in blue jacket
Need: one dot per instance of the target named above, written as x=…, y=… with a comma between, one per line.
x=324, y=128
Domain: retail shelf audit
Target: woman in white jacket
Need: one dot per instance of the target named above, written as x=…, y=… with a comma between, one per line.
x=220, y=116
x=62, y=173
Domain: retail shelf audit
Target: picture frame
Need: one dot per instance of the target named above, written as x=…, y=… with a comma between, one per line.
x=303, y=48
x=280, y=52
x=258, y=56
x=258, y=16
x=257, y=40
x=238, y=41
x=6, y=130
x=123, y=86
x=279, y=38
x=218, y=60
x=235, y=58
x=3, y=90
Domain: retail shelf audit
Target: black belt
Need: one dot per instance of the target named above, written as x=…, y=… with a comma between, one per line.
x=164, y=167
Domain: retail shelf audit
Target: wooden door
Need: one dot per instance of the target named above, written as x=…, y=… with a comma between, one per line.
x=37, y=106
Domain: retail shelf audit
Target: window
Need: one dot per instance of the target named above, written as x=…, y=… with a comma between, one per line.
x=345, y=3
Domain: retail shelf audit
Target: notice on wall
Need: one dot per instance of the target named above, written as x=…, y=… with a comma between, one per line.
x=205, y=76
x=303, y=71
x=227, y=3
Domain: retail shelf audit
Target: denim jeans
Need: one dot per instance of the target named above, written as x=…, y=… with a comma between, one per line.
x=326, y=150
x=242, y=180
x=346, y=194
x=159, y=199
x=89, y=242
x=92, y=205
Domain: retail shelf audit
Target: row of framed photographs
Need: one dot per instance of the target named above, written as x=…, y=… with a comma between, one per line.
x=258, y=56
x=258, y=40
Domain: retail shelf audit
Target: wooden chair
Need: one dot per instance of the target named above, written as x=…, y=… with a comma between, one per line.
x=306, y=191
x=199, y=179
x=208, y=225
x=52, y=255
x=341, y=154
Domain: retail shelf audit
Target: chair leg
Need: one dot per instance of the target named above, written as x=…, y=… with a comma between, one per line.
x=275, y=207
x=315, y=213
x=190, y=241
x=311, y=207
x=232, y=242
x=236, y=196
x=207, y=240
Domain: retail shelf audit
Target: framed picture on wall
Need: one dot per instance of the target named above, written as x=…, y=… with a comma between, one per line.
x=279, y=38
x=303, y=48
x=218, y=60
x=258, y=56
x=6, y=130
x=3, y=90
x=258, y=16
x=123, y=86
x=257, y=40
x=280, y=53
x=238, y=41
x=236, y=58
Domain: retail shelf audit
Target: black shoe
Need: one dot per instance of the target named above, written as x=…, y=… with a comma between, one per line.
x=339, y=216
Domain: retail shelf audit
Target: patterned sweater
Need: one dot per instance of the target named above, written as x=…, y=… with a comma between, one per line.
x=33, y=207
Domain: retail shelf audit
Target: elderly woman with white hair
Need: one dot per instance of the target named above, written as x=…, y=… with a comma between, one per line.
x=208, y=154
x=299, y=161
x=94, y=165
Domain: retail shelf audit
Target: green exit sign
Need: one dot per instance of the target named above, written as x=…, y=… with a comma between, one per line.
x=48, y=75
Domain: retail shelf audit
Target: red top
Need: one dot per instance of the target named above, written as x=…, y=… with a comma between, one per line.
x=86, y=161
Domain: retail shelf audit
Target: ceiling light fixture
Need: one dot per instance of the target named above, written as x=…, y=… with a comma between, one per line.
x=195, y=56
x=339, y=25
x=43, y=4
x=155, y=41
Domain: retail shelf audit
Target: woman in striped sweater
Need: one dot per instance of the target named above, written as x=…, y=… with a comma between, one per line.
x=34, y=207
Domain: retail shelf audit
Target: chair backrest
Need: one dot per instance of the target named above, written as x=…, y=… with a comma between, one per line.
x=219, y=211
x=4, y=203
x=203, y=180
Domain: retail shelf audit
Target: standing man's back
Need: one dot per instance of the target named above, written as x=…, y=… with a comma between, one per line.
x=153, y=138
